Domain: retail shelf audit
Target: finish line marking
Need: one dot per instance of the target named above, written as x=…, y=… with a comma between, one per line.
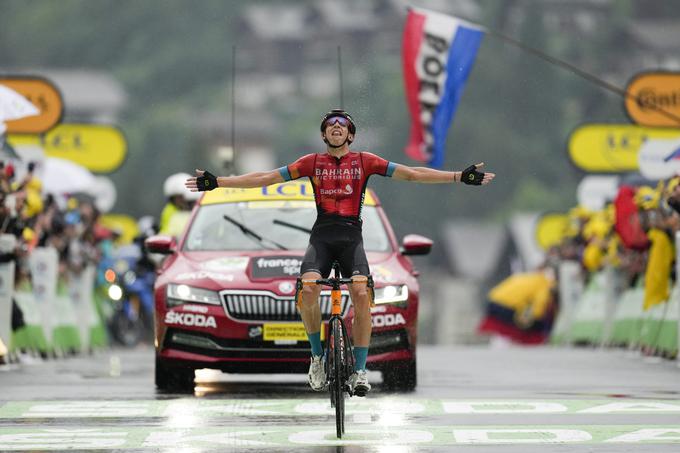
x=355, y=407
x=295, y=435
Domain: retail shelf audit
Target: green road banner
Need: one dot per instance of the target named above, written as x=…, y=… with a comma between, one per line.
x=651, y=91
x=41, y=93
x=289, y=407
x=99, y=148
x=612, y=148
x=381, y=422
x=359, y=434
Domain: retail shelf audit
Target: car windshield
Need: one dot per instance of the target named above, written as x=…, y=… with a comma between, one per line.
x=211, y=232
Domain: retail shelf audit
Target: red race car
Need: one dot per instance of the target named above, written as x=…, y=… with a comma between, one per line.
x=225, y=294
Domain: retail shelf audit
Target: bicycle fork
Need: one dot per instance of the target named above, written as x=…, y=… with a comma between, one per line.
x=346, y=356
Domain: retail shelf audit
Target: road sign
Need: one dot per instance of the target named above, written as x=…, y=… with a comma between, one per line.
x=612, y=148
x=99, y=148
x=653, y=90
x=41, y=93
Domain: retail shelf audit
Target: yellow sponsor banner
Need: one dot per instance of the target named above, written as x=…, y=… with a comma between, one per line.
x=550, y=229
x=300, y=189
x=286, y=331
x=99, y=148
x=612, y=148
x=124, y=224
x=41, y=93
x=652, y=91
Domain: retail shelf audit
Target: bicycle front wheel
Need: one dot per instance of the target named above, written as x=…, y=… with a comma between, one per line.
x=338, y=387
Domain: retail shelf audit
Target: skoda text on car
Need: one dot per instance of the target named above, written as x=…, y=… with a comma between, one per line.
x=225, y=294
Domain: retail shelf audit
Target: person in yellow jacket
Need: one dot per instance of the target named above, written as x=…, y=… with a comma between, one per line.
x=175, y=214
x=522, y=307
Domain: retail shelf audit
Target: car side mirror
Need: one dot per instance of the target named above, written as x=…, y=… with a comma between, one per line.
x=161, y=244
x=414, y=244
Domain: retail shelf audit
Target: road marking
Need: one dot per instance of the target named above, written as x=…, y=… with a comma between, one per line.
x=16, y=439
x=370, y=407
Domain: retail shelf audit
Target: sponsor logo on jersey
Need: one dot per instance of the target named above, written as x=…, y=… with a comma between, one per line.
x=325, y=174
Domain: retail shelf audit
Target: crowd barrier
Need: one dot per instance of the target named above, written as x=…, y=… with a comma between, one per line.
x=601, y=313
x=60, y=315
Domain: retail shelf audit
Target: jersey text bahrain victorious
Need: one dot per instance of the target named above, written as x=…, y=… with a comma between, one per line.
x=339, y=183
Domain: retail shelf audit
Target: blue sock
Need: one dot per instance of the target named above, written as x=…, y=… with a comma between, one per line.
x=360, y=354
x=315, y=340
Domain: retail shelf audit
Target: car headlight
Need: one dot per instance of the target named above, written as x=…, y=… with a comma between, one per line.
x=391, y=294
x=180, y=294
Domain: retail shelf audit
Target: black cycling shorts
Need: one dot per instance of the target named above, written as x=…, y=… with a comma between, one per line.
x=336, y=243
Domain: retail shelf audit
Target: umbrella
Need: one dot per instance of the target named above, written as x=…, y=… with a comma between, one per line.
x=14, y=106
x=61, y=176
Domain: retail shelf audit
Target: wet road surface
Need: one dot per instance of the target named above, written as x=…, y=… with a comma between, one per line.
x=468, y=399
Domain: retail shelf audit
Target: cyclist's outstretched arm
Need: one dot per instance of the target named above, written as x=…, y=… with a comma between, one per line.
x=470, y=175
x=208, y=181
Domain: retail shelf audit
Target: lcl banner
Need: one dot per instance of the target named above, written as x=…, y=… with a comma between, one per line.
x=41, y=93
x=99, y=148
x=650, y=92
x=612, y=148
x=660, y=159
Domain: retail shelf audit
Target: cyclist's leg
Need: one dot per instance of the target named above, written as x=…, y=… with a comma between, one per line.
x=361, y=332
x=354, y=263
x=314, y=266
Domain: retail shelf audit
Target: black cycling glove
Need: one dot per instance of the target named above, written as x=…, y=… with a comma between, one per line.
x=206, y=182
x=471, y=176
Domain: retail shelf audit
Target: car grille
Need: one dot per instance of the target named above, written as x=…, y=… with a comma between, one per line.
x=267, y=306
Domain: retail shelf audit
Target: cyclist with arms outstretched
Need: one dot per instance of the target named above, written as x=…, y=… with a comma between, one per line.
x=339, y=177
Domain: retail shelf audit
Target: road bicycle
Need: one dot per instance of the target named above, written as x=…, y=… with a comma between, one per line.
x=339, y=364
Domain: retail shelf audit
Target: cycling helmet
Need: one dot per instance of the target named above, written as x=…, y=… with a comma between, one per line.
x=174, y=185
x=339, y=112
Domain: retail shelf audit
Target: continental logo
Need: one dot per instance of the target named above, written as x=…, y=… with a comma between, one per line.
x=652, y=92
x=41, y=93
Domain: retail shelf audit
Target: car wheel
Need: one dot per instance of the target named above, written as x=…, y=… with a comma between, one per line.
x=176, y=379
x=401, y=376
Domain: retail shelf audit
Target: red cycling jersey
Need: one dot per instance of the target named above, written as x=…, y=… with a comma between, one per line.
x=339, y=183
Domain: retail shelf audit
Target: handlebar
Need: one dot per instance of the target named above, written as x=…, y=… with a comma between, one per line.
x=333, y=282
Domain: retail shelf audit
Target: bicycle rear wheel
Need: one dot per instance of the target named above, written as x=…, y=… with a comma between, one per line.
x=338, y=387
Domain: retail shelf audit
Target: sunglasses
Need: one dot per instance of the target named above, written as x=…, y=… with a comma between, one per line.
x=341, y=120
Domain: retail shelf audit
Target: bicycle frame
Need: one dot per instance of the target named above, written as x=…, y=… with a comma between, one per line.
x=339, y=353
